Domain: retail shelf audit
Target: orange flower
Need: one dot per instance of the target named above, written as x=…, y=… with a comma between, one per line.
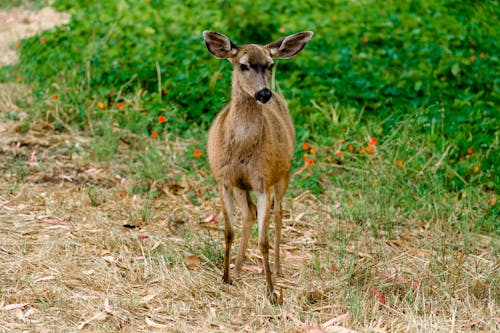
x=476, y=169
x=350, y=203
x=43, y=40
x=373, y=141
x=161, y=119
x=339, y=153
x=19, y=78
x=101, y=105
x=310, y=162
x=306, y=146
x=365, y=40
x=53, y=98
x=470, y=150
x=370, y=149
x=481, y=55
x=282, y=29
x=121, y=105
x=399, y=164
x=375, y=182
x=350, y=147
x=313, y=150
x=197, y=153
x=362, y=150
x=472, y=58
x=493, y=201
x=19, y=43
x=305, y=157
x=154, y=135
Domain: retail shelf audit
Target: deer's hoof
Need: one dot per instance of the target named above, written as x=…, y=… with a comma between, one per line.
x=227, y=279
x=276, y=298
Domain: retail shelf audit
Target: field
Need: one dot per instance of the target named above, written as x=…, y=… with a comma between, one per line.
x=109, y=214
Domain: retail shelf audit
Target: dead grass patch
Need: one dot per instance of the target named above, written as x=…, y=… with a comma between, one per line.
x=80, y=250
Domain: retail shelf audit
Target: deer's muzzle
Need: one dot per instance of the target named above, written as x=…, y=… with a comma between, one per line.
x=263, y=95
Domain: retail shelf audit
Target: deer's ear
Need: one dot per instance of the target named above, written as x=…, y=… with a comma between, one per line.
x=289, y=46
x=219, y=45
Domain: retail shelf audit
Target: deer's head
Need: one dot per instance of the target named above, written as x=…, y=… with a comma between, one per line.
x=253, y=63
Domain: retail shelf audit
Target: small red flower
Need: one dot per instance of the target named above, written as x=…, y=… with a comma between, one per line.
x=310, y=162
x=306, y=146
x=154, y=135
x=470, y=150
x=472, y=58
x=161, y=119
x=350, y=147
x=43, y=40
x=373, y=141
x=339, y=153
x=121, y=105
x=197, y=153
x=53, y=98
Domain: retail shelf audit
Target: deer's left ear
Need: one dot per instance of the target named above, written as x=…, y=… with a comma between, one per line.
x=219, y=45
x=289, y=46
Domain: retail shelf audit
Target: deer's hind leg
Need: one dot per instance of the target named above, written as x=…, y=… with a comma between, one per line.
x=248, y=211
x=226, y=194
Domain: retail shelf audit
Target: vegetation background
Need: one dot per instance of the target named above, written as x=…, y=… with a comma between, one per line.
x=395, y=103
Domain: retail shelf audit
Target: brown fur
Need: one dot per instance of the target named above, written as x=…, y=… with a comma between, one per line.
x=251, y=143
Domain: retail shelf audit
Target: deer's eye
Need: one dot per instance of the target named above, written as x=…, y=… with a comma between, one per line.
x=244, y=67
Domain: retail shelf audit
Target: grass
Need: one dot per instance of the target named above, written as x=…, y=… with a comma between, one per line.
x=391, y=216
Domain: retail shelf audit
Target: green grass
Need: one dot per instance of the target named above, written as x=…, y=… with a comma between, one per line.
x=422, y=77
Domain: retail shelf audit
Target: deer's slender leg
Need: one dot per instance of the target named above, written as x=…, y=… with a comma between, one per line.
x=279, y=191
x=263, y=210
x=248, y=212
x=226, y=194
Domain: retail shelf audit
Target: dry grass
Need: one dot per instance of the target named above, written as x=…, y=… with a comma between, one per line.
x=80, y=251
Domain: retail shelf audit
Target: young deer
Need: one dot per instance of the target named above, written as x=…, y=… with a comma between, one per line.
x=251, y=143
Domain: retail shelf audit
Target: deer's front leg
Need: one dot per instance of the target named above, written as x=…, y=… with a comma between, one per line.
x=263, y=208
x=226, y=194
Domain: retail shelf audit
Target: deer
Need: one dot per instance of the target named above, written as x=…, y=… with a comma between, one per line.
x=250, y=147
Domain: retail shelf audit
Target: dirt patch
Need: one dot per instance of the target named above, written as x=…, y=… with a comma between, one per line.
x=18, y=23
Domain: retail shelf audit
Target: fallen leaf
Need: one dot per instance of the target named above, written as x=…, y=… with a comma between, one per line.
x=100, y=316
x=289, y=255
x=154, y=324
x=107, y=307
x=55, y=222
x=379, y=294
x=14, y=306
x=306, y=327
x=211, y=218
x=46, y=278
x=147, y=298
x=254, y=268
x=192, y=262
x=335, y=320
x=110, y=259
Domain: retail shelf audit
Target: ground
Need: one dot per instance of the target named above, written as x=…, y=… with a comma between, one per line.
x=82, y=250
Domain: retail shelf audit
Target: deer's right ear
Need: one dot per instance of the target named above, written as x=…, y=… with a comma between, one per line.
x=219, y=45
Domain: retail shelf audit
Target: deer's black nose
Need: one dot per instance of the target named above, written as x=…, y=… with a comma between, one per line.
x=263, y=95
